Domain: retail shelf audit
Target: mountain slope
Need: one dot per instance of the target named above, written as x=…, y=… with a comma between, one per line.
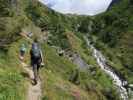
x=112, y=33
x=61, y=78
x=115, y=30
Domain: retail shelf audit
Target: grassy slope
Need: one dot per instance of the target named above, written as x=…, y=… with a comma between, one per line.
x=56, y=75
x=59, y=71
x=12, y=83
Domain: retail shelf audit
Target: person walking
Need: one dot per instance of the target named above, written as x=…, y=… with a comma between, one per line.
x=36, y=59
x=22, y=51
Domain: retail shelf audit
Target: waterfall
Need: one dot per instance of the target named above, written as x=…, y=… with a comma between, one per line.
x=101, y=60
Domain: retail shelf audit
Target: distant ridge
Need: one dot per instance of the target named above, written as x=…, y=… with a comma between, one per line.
x=112, y=3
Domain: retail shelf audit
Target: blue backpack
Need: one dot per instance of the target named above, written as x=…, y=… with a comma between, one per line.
x=36, y=50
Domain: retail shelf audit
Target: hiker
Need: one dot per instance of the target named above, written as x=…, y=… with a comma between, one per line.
x=36, y=59
x=22, y=51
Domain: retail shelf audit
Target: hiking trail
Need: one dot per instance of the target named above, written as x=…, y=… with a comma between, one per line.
x=34, y=92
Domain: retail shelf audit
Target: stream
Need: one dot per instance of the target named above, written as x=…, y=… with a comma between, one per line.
x=102, y=64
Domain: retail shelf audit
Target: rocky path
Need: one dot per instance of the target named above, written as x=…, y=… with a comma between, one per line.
x=34, y=91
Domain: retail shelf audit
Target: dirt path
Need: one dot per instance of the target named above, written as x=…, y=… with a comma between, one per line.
x=34, y=91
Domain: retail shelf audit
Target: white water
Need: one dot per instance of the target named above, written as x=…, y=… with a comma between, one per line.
x=102, y=63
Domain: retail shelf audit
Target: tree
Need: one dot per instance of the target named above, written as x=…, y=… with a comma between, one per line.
x=131, y=2
x=85, y=25
x=4, y=8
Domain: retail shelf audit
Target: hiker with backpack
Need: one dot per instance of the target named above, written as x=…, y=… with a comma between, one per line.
x=36, y=59
x=22, y=51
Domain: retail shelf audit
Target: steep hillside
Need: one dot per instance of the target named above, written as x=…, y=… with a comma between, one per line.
x=114, y=29
x=112, y=33
x=62, y=79
x=61, y=30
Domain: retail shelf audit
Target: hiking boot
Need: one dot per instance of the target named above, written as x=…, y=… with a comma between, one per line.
x=35, y=82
